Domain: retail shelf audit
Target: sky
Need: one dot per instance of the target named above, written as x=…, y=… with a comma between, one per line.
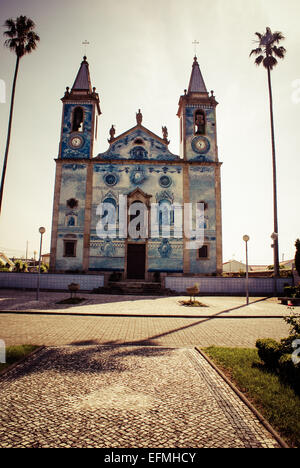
x=140, y=57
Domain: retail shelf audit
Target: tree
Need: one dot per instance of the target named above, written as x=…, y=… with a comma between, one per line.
x=267, y=53
x=297, y=256
x=22, y=40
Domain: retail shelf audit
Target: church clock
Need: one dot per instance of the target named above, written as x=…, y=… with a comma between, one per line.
x=201, y=145
x=76, y=141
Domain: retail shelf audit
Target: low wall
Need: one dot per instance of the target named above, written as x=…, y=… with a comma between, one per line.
x=49, y=281
x=227, y=286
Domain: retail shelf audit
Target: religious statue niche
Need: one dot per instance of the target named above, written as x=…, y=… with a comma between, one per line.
x=71, y=219
x=199, y=123
x=77, y=124
x=138, y=152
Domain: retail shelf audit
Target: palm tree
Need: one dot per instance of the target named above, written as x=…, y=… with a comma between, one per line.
x=22, y=40
x=267, y=53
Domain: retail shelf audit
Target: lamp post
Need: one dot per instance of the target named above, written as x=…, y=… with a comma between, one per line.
x=274, y=237
x=42, y=230
x=246, y=239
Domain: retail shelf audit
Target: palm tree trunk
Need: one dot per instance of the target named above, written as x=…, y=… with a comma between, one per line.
x=276, y=253
x=9, y=130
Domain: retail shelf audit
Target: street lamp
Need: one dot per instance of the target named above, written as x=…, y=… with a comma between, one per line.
x=274, y=237
x=42, y=231
x=246, y=239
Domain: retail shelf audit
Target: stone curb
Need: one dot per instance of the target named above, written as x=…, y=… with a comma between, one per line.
x=15, y=364
x=82, y=314
x=259, y=416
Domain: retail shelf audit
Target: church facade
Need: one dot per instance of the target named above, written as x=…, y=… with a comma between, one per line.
x=137, y=170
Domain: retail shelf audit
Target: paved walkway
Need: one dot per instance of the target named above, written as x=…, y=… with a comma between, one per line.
x=105, y=304
x=91, y=396
x=63, y=330
x=146, y=320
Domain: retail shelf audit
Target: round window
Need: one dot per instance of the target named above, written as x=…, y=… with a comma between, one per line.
x=110, y=179
x=165, y=181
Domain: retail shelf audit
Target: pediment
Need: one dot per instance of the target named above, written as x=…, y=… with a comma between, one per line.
x=139, y=194
x=138, y=144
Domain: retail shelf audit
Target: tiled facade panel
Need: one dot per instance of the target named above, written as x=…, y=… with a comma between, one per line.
x=73, y=186
x=202, y=189
x=163, y=254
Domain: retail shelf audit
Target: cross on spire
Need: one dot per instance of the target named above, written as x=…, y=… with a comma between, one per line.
x=195, y=43
x=85, y=44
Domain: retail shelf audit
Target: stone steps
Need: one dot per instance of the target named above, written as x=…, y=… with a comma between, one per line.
x=138, y=288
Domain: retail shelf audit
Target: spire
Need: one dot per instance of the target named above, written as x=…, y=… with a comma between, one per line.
x=83, y=81
x=196, y=84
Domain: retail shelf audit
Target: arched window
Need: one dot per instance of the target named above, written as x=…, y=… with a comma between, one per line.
x=165, y=213
x=77, y=124
x=204, y=223
x=110, y=213
x=199, y=124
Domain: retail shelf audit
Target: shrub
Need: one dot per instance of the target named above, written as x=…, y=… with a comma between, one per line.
x=289, y=371
x=286, y=344
x=44, y=268
x=289, y=291
x=18, y=265
x=293, y=321
x=269, y=351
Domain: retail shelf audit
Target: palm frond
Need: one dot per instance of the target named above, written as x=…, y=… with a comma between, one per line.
x=279, y=51
x=270, y=62
x=278, y=36
x=9, y=23
x=258, y=60
x=9, y=33
x=256, y=51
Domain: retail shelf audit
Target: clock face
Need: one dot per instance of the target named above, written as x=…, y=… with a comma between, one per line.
x=201, y=145
x=76, y=142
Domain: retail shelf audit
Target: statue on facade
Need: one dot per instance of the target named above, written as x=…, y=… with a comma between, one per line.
x=112, y=132
x=139, y=117
x=165, y=134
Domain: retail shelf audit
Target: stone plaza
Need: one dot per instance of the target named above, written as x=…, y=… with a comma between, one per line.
x=124, y=371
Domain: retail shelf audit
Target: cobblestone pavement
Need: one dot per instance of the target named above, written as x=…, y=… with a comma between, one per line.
x=63, y=330
x=121, y=396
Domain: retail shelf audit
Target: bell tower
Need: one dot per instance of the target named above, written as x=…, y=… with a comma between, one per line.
x=197, y=120
x=201, y=172
x=73, y=179
x=81, y=109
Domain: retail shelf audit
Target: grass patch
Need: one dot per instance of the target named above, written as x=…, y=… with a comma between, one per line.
x=72, y=300
x=277, y=401
x=16, y=353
